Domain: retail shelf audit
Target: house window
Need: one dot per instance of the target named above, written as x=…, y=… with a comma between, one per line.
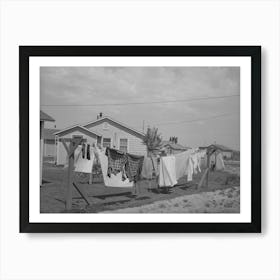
x=107, y=142
x=105, y=126
x=123, y=144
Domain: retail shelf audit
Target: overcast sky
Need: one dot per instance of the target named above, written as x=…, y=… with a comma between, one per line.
x=195, y=122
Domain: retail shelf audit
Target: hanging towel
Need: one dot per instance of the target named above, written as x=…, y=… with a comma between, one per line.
x=167, y=172
x=115, y=180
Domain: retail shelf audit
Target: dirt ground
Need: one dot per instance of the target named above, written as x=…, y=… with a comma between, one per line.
x=220, y=201
x=221, y=196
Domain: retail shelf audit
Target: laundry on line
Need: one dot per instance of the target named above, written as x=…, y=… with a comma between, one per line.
x=120, y=169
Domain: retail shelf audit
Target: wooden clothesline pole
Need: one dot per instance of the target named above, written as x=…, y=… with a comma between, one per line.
x=208, y=168
x=74, y=142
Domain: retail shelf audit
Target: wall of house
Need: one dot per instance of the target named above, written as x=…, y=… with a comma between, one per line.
x=108, y=130
x=49, y=148
x=60, y=150
x=227, y=154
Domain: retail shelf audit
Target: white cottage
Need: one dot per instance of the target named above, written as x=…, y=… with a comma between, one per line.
x=108, y=133
x=118, y=135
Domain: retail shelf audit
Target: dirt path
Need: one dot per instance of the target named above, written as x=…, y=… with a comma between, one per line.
x=220, y=201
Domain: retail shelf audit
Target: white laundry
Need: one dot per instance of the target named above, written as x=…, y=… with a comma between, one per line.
x=201, y=158
x=81, y=164
x=195, y=159
x=167, y=171
x=114, y=180
x=190, y=168
x=186, y=163
x=219, y=162
x=181, y=164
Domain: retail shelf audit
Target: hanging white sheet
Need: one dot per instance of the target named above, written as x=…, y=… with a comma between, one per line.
x=167, y=173
x=190, y=168
x=181, y=164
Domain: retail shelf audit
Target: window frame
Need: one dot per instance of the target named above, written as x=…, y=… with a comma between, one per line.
x=127, y=145
x=110, y=142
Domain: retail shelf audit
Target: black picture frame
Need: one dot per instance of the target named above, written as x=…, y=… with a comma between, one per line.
x=25, y=52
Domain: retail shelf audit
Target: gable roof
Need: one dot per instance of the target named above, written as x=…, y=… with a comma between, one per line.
x=49, y=134
x=174, y=146
x=115, y=123
x=77, y=127
x=219, y=147
x=45, y=117
x=222, y=147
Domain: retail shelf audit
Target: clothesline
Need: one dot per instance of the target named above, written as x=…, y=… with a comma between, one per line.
x=120, y=169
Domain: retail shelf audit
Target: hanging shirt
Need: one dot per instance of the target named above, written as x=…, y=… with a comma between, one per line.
x=82, y=164
x=116, y=161
x=167, y=171
x=196, y=167
x=133, y=167
x=115, y=180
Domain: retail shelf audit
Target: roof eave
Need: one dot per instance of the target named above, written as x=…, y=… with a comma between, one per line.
x=78, y=126
x=141, y=135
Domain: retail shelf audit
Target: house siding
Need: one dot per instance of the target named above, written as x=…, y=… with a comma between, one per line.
x=135, y=144
x=49, y=148
x=227, y=154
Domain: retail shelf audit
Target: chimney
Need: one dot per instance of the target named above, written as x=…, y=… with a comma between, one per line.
x=100, y=115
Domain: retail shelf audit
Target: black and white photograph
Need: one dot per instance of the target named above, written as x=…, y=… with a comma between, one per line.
x=140, y=139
